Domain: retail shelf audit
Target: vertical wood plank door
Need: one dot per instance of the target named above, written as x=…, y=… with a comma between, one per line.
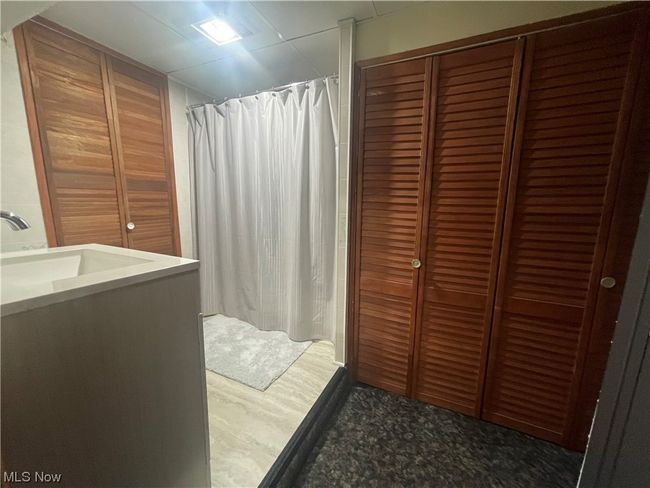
x=475, y=105
x=139, y=113
x=570, y=132
x=68, y=85
x=393, y=119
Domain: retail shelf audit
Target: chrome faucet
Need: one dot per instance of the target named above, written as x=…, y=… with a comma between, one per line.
x=16, y=222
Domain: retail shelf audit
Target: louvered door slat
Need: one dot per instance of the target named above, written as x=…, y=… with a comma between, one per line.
x=394, y=120
x=568, y=128
x=475, y=105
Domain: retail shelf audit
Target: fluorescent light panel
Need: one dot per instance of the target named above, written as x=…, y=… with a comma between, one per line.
x=218, y=31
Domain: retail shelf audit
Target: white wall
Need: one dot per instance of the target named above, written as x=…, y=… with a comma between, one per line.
x=18, y=188
x=430, y=23
x=180, y=96
x=16, y=12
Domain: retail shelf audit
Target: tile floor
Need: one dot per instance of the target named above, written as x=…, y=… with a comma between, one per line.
x=249, y=428
x=383, y=440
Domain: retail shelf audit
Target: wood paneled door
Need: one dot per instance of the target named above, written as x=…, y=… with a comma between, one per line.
x=512, y=174
x=141, y=123
x=578, y=87
x=101, y=140
x=390, y=192
x=476, y=96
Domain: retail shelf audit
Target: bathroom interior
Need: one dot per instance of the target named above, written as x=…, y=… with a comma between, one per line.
x=325, y=243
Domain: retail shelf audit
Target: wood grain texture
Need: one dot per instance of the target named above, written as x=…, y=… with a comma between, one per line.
x=561, y=191
x=389, y=195
x=68, y=92
x=634, y=177
x=475, y=108
x=138, y=110
x=95, y=176
x=34, y=134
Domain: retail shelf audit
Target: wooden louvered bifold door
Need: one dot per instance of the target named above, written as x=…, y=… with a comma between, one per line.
x=634, y=180
x=475, y=94
x=394, y=112
x=571, y=130
x=69, y=85
x=101, y=134
x=138, y=104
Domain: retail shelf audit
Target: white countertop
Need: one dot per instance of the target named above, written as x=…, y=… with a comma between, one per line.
x=36, y=278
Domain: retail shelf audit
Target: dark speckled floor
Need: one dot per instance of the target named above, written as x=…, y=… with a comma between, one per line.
x=383, y=440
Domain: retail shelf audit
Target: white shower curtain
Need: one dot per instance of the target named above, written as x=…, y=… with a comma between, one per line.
x=265, y=189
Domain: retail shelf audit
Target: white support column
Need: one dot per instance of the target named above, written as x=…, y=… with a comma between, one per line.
x=347, y=29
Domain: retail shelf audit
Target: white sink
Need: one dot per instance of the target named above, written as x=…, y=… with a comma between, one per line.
x=44, y=276
x=36, y=269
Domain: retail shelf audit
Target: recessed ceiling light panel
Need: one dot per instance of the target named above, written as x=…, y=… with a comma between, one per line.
x=217, y=30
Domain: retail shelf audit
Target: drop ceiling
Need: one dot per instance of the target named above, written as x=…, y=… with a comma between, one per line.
x=287, y=41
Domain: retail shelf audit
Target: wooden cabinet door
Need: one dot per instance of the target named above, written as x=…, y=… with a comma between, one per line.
x=571, y=131
x=68, y=83
x=475, y=96
x=393, y=113
x=139, y=104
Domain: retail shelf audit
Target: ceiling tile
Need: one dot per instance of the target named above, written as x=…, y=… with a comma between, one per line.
x=242, y=16
x=283, y=64
x=226, y=77
x=180, y=15
x=245, y=74
x=295, y=19
x=384, y=8
x=321, y=51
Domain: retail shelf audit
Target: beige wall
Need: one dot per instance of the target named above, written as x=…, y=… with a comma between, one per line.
x=431, y=23
x=180, y=96
x=19, y=192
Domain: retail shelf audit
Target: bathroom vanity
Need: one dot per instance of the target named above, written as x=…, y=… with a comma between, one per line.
x=103, y=377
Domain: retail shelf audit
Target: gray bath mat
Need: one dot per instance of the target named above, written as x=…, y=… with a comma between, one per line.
x=242, y=352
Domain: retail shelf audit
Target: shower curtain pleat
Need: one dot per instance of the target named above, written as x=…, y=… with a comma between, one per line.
x=265, y=186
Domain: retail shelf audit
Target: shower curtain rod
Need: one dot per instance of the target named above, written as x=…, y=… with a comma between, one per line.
x=273, y=88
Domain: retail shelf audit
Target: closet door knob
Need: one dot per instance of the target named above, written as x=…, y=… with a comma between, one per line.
x=130, y=226
x=416, y=263
x=608, y=282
